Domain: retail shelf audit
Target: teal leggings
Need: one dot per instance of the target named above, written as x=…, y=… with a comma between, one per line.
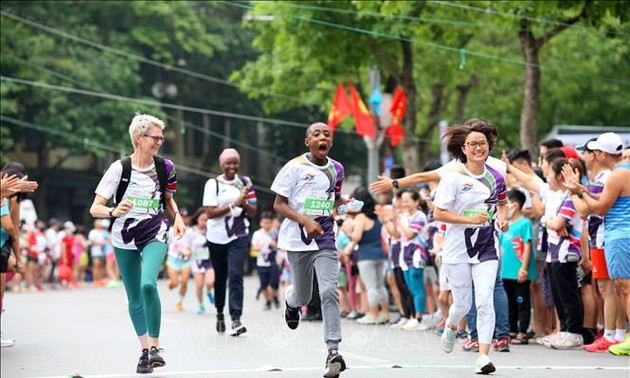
x=139, y=274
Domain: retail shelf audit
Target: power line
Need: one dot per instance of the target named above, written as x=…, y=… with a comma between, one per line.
x=509, y=15
x=559, y=69
x=170, y=106
x=142, y=59
x=153, y=103
x=109, y=148
x=184, y=123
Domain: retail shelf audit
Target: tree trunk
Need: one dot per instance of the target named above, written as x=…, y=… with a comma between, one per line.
x=529, y=113
x=410, y=152
x=439, y=101
x=462, y=97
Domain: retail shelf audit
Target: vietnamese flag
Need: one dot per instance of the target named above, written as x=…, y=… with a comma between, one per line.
x=363, y=121
x=398, y=109
x=395, y=132
x=340, y=108
x=399, y=104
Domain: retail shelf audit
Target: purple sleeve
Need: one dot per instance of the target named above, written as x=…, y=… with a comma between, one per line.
x=339, y=182
x=171, y=174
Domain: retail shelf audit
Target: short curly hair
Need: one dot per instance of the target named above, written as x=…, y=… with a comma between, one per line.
x=456, y=136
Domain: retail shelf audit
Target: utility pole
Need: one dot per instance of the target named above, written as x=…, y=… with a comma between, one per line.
x=373, y=145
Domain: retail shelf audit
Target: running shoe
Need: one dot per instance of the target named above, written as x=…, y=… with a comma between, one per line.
x=502, y=345
x=291, y=314
x=276, y=303
x=382, y=319
x=155, y=360
x=621, y=349
x=334, y=365
x=569, y=341
x=440, y=329
x=201, y=310
x=352, y=315
x=471, y=345
x=6, y=342
x=237, y=328
x=179, y=307
x=143, y=363
x=462, y=336
x=367, y=319
x=483, y=365
x=447, y=341
x=411, y=325
x=600, y=345
x=399, y=323
x=220, y=323
x=267, y=306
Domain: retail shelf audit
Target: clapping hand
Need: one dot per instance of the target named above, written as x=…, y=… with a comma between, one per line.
x=571, y=179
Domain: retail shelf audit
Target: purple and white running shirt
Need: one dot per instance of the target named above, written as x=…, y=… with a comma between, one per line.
x=311, y=190
x=146, y=221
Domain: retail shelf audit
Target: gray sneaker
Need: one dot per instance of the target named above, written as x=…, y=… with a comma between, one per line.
x=447, y=341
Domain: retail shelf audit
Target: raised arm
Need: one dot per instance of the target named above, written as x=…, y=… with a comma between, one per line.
x=384, y=184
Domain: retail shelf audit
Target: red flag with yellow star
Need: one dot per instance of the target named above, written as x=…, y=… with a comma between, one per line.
x=340, y=108
x=398, y=109
x=363, y=121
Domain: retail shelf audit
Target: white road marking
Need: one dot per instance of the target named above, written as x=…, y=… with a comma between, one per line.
x=364, y=367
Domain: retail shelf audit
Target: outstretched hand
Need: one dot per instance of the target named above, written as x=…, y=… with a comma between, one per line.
x=382, y=186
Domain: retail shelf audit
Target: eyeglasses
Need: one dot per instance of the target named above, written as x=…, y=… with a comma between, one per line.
x=473, y=145
x=156, y=138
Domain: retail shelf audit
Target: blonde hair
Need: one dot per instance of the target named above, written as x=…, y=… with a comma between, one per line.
x=140, y=125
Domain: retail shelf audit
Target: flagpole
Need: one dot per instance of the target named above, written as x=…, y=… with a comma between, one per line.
x=373, y=145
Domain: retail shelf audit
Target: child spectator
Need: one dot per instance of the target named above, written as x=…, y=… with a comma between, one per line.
x=264, y=244
x=518, y=266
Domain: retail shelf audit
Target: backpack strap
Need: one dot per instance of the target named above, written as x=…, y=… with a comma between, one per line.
x=124, y=179
x=160, y=168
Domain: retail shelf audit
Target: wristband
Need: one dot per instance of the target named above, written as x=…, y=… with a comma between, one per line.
x=581, y=193
x=522, y=270
x=111, y=212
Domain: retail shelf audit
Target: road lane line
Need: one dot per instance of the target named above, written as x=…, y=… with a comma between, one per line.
x=364, y=367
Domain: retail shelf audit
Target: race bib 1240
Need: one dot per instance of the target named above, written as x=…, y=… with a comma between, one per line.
x=316, y=206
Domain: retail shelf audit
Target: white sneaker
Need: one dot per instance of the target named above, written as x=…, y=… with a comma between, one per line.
x=367, y=319
x=483, y=365
x=401, y=322
x=411, y=325
x=5, y=343
x=568, y=341
x=383, y=319
x=447, y=341
x=425, y=325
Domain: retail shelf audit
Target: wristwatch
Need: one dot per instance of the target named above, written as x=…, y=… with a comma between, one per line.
x=395, y=184
x=581, y=193
x=111, y=212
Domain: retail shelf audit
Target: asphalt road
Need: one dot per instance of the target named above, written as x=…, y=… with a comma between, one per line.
x=87, y=331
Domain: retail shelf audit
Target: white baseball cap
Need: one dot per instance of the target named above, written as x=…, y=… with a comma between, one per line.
x=609, y=143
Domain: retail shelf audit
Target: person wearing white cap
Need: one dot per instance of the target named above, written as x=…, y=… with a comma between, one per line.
x=614, y=203
x=614, y=311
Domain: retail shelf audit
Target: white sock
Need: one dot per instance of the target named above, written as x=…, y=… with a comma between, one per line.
x=620, y=334
x=609, y=334
x=181, y=299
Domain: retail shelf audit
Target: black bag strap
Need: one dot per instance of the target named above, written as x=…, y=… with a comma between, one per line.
x=217, y=189
x=124, y=179
x=160, y=168
x=123, y=184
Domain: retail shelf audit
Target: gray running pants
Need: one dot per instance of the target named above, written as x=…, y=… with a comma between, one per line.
x=324, y=263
